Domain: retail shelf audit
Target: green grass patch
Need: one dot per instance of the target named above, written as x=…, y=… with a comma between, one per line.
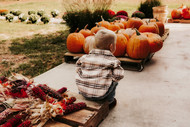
x=44, y=52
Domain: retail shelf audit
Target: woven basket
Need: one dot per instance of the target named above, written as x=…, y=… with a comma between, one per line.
x=160, y=13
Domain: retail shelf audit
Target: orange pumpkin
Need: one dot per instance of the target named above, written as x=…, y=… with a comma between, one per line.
x=114, y=27
x=123, y=31
x=138, y=46
x=121, y=25
x=95, y=29
x=134, y=23
x=75, y=42
x=88, y=44
x=124, y=23
x=155, y=41
x=149, y=27
x=104, y=23
x=161, y=28
x=120, y=45
x=86, y=32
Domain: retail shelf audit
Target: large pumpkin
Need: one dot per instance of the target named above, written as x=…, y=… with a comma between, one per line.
x=155, y=41
x=120, y=45
x=88, y=44
x=134, y=23
x=75, y=42
x=138, y=46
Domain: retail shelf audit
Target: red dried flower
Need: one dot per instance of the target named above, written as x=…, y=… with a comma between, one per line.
x=111, y=13
x=122, y=12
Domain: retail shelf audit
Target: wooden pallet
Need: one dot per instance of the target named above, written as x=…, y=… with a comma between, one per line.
x=91, y=116
x=178, y=21
x=126, y=62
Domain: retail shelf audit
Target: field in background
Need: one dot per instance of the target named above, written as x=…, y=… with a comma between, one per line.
x=12, y=30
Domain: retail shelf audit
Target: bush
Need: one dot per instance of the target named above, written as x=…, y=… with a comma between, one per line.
x=138, y=14
x=41, y=13
x=79, y=13
x=22, y=17
x=55, y=13
x=31, y=12
x=9, y=17
x=32, y=18
x=16, y=12
x=146, y=7
x=45, y=19
x=3, y=12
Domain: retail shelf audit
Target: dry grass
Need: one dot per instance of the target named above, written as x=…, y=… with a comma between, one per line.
x=91, y=5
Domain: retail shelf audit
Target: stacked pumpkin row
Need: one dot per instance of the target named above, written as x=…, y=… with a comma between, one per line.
x=136, y=38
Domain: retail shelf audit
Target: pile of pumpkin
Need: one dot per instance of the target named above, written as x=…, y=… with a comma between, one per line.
x=183, y=12
x=136, y=38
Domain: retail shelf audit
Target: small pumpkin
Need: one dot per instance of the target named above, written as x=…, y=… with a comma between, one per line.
x=114, y=27
x=134, y=23
x=123, y=31
x=130, y=31
x=161, y=28
x=88, y=44
x=95, y=29
x=138, y=46
x=104, y=23
x=86, y=32
x=149, y=27
x=120, y=45
x=124, y=23
x=75, y=42
x=121, y=25
x=155, y=41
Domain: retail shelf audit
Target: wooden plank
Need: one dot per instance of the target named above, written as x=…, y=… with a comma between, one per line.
x=178, y=21
x=90, y=104
x=91, y=116
x=80, y=117
x=166, y=34
x=51, y=123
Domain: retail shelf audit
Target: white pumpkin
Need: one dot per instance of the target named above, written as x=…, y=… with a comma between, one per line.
x=130, y=31
x=88, y=44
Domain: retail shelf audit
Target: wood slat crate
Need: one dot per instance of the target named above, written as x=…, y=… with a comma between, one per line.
x=126, y=62
x=91, y=116
x=178, y=21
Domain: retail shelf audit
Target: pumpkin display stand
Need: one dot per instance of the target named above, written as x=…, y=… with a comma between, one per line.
x=178, y=21
x=126, y=62
x=91, y=116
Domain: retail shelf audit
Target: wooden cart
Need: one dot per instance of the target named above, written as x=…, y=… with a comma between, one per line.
x=178, y=21
x=126, y=62
x=91, y=116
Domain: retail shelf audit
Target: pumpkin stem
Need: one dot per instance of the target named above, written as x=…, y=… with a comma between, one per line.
x=117, y=31
x=86, y=26
x=156, y=19
x=76, y=30
x=147, y=22
x=102, y=18
x=137, y=32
